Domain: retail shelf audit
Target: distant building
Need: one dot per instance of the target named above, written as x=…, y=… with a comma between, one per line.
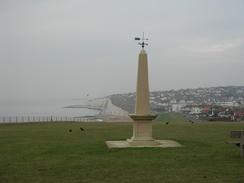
x=196, y=110
x=228, y=104
x=177, y=107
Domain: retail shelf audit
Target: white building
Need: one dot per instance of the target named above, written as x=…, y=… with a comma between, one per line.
x=177, y=107
x=196, y=110
x=228, y=104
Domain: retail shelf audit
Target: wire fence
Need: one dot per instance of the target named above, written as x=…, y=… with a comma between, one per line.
x=29, y=119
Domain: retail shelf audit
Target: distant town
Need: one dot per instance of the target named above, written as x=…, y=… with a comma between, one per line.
x=213, y=103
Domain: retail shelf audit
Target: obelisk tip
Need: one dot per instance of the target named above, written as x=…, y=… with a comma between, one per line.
x=143, y=51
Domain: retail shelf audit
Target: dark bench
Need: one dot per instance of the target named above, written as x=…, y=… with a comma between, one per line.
x=238, y=134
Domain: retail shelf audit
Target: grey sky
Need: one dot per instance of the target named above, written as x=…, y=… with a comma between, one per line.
x=67, y=49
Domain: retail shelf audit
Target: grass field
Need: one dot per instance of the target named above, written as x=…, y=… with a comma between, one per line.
x=48, y=152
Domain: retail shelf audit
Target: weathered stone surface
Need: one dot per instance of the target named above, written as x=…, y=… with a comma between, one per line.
x=138, y=144
x=142, y=90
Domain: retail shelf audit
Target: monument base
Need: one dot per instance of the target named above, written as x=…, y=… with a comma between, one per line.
x=142, y=135
x=141, y=143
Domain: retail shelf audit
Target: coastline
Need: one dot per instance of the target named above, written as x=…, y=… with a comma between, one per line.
x=92, y=110
x=107, y=110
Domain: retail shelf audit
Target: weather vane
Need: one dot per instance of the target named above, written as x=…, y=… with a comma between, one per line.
x=142, y=43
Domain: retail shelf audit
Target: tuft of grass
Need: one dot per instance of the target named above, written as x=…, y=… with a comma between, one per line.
x=50, y=153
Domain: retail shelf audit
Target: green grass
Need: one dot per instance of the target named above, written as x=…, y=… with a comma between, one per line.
x=171, y=117
x=48, y=152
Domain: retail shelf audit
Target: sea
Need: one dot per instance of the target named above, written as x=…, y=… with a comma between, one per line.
x=37, y=109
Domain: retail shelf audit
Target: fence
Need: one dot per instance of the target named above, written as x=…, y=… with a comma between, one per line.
x=29, y=119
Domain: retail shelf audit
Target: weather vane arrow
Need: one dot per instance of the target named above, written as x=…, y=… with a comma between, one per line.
x=142, y=40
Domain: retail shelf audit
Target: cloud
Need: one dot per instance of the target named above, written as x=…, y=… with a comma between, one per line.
x=63, y=48
x=209, y=46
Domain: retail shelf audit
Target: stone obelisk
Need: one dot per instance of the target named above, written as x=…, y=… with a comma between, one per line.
x=142, y=119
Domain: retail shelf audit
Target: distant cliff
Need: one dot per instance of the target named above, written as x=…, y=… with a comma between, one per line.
x=124, y=101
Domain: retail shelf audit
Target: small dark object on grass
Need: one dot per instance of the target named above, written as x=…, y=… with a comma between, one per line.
x=70, y=130
x=192, y=122
x=238, y=144
x=167, y=123
x=81, y=129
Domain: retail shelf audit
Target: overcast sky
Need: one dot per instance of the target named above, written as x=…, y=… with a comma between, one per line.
x=71, y=48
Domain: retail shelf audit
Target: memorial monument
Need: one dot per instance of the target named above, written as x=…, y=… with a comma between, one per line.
x=142, y=119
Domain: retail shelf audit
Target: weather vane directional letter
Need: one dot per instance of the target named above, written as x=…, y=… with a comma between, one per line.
x=142, y=40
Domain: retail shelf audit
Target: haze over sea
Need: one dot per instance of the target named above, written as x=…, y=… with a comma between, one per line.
x=46, y=107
